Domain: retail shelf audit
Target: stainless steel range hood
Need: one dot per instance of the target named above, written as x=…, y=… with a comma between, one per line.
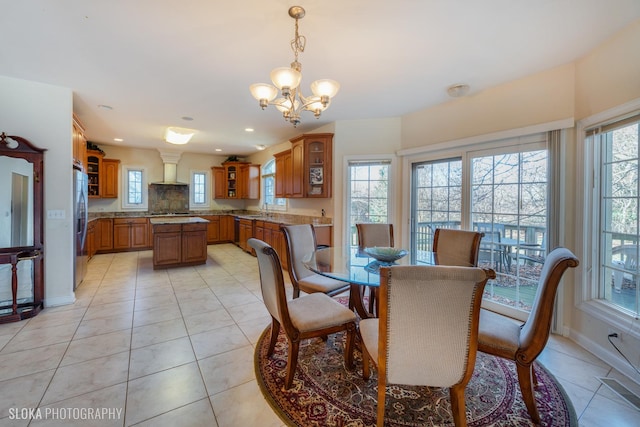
x=169, y=196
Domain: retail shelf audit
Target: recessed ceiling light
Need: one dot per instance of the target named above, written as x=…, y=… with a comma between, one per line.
x=218, y=149
x=248, y=129
x=187, y=118
x=118, y=139
x=457, y=90
x=105, y=107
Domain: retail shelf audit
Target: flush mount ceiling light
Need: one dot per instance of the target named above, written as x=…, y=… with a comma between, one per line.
x=178, y=136
x=458, y=90
x=287, y=80
x=261, y=147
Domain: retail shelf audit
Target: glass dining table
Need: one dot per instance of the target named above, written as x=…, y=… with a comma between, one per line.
x=360, y=270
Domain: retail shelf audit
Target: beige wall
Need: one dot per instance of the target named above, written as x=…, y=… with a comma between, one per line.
x=544, y=97
x=42, y=114
x=610, y=74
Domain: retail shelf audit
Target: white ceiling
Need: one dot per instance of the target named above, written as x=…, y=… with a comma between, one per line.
x=156, y=61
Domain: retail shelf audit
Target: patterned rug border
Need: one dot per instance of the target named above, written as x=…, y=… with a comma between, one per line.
x=282, y=414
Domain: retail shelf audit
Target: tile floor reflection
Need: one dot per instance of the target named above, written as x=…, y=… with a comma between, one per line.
x=175, y=347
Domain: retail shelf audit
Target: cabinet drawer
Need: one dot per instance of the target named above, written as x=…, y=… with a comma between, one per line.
x=201, y=226
x=167, y=228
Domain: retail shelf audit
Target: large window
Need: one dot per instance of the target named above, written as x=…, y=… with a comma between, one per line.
x=502, y=192
x=269, y=199
x=199, y=190
x=616, y=154
x=133, y=183
x=368, y=193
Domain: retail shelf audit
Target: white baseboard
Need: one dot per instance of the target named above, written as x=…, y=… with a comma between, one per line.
x=608, y=356
x=57, y=301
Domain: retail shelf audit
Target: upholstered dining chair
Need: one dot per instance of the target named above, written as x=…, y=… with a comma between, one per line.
x=374, y=234
x=314, y=315
x=504, y=337
x=300, y=242
x=427, y=331
x=456, y=247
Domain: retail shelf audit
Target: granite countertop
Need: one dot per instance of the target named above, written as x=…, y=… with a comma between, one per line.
x=178, y=220
x=277, y=217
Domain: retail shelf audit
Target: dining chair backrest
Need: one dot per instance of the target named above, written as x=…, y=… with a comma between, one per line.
x=300, y=241
x=456, y=247
x=271, y=279
x=429, y=318
x=535, y=331
x=374, y=234
x=427, y=333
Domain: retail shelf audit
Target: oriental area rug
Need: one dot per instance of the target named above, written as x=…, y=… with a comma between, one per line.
x=324, y=393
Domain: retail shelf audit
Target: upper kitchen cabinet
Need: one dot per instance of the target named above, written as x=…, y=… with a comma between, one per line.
x=102, y=174
x=79, y=144
x=306, y=169
x=236, y=180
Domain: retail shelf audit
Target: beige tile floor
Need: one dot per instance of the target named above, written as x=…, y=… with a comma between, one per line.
x=175, y=347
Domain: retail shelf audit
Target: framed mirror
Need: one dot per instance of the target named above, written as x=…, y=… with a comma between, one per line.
x=21, y=229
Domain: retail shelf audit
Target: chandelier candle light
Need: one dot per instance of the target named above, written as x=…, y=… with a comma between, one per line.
x=287, y=80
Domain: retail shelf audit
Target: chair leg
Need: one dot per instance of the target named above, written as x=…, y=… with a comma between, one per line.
x=526, y=388
x=296, y=292
x=348, y=347
x=382, y=389
x=458, y=407
x=275, y=330
x=366, y=364
x=292, y=363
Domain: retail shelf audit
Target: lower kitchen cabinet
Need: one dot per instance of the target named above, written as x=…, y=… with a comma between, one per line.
x=130, y=233
x=104, y=235
x=176, y=245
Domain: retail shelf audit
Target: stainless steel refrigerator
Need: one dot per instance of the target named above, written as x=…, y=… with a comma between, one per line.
x=80, y=217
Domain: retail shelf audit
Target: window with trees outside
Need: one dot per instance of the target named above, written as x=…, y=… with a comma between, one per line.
x=501, y=192
x=270, y=201
x=368, y=194
x=616, y=157
x=199, y=190
x=133, y=183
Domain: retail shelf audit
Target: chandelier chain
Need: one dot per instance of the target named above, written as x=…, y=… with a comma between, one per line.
x=298, y=43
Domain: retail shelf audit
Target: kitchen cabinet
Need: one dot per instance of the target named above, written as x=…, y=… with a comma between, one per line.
x=236, y=180
x=213, y=228
x=245, y=230
x=79, y=144
x=324, y=235
x=104, y=235
x=179, y=242
x=94, y=166
x=283, y=174
x=90, y=241
x=227, y=228
x=219, y=182
x=102, y=174
x=305, y=171
x=249, y=185
x=130, y=233
x=109, y=178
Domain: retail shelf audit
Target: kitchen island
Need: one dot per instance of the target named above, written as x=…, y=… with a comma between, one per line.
x=179, y=241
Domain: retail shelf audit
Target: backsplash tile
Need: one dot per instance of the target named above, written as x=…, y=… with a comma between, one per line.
x=168, y=198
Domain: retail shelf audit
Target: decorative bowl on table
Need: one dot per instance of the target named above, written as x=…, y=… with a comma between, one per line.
x=385, y=255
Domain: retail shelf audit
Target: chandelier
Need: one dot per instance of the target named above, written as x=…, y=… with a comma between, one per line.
x=287, y=80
